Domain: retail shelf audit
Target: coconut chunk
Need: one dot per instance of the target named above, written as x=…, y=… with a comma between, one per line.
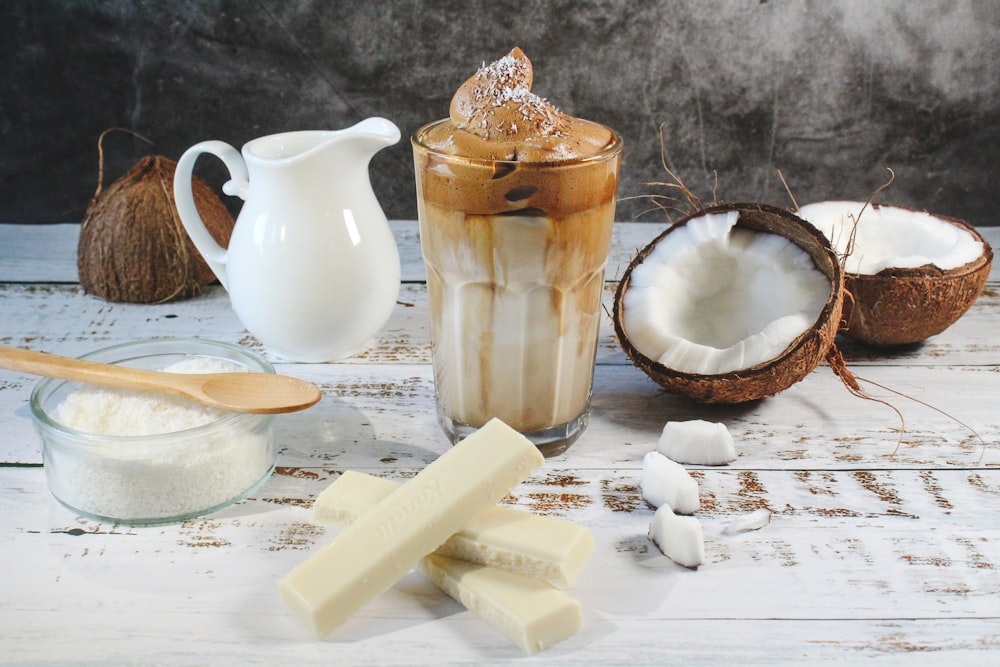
x=751, y=521
x=664, y=482
x=697, y=442
x=716, y=298
x=680, y=538
x=891, y=237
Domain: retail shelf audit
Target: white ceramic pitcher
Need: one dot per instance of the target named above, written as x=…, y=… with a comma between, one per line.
x=312, y=268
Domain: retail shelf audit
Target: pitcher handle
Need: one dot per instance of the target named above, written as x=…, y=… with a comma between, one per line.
x=214, y=254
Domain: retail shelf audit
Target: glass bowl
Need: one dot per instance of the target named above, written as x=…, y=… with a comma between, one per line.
x=162, y=478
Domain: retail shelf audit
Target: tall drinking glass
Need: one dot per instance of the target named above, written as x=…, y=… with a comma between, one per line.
x=515, y=254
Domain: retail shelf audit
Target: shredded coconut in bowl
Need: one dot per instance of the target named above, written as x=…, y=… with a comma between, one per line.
x=107, y=411
x=126, y=466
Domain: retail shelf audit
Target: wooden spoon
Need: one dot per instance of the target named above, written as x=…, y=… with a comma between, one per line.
x=258, y=393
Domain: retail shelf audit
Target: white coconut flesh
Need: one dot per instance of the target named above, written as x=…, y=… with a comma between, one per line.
x=711, y=298
x=889, y=237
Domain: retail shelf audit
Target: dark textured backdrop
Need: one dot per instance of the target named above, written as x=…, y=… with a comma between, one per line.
x=831, y=92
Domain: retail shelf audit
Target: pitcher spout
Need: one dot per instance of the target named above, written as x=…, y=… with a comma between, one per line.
x=379, y=129
x=370, y=135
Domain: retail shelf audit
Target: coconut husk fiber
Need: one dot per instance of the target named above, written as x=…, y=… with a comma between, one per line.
x=133, y=247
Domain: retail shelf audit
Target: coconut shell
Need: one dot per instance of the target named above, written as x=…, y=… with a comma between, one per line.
x=133, y=247
x=904, y=306
x=776, y=375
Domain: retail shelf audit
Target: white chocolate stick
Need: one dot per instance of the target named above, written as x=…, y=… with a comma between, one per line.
x=504, y=537
x=386, y=542
x=529, y=612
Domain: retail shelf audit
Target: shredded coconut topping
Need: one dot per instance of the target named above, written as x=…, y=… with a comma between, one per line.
x=497, y=102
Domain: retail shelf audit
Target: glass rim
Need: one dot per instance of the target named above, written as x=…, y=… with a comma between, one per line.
x=609, y=151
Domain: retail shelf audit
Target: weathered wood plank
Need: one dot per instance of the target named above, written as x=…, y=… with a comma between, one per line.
x=445, y=634
x=370, y=413
x=62, y=319
x=47, y=253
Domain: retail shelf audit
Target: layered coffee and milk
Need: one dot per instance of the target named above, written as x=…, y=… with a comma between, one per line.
x=516, y=202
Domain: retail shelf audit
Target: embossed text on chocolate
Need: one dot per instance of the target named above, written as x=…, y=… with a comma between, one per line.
x=426, y=495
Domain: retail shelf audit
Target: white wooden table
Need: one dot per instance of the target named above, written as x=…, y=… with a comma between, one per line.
x=868, y=557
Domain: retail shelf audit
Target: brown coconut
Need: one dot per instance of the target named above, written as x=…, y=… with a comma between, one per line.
x=902, y=306
x=797, y=360
x=133, y=247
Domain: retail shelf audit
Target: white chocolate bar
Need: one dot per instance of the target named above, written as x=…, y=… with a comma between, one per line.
x=529, y=612
x=541, y=547
x=526, y=610
x=387, y=541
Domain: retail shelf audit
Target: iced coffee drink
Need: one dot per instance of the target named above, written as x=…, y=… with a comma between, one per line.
x=516, y=202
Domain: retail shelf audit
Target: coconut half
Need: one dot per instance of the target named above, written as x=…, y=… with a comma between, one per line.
x=734, y=303
x=910, y=274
